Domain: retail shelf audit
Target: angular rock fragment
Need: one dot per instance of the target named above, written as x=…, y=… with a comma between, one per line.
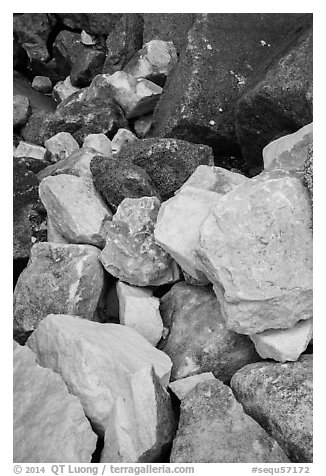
x=198, y=340
x=289, y=152
x=49, y=424
x=59, y=278
x=117, y=180
x=87, y=39
x=97, y=361
x=53, y=235
x=60, y=146
x=88, y=64
x=67, y=48
x=270, y=286
x=122, y=137
x=153, y=62
x=76, y=209
x=21, y=111
x=42, y=84
x=63, y=89
x=131, y=253
x=214, y=428
x=280, y=398
x=92, y=23
x=32, y=31
x=142, y=125
x=99, y=142
x=284, y=344
x=182, y=386
x=139, y=309
x=24, y=149
x=142, y=423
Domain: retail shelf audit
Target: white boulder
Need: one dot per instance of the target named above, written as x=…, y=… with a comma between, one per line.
x=99, y=142
x=60, y=146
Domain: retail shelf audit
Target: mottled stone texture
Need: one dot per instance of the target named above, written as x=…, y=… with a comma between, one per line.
x=280, y=398
x=78, y=164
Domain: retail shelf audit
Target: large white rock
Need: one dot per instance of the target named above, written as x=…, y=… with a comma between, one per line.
x=289, y=152
x=60, y=146
x=284, y=344
x=75, y=208
x=99, y=142
x=141, y=422
x=183, y=386
x=214, y=179
x=138, y=308
x=24, y=149
x=97, y=361
x=256, y=247
x=63, y=89
x=178, y=226
x=49, y=424
x=122, y=137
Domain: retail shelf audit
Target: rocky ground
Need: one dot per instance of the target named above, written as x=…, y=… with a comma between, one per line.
x=162, y=238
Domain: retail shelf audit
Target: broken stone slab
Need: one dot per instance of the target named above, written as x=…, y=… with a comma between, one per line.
x=122, y=137
x=99, y=142
x=42, y=84
x=270, y=287
x=289, y=152
x=24, y=149
x=142, y=423
x=154, y=61
x=178, y=225
x=21, y=110
x=76, y=209
x=59, y=278
x=49, y=424
x=182, y=386
x=142, y=125
x=60, y=146
x=135, y=96
x=63, y=89
x=139, y=309
x=198, y=340
x=214, y=428
x=280, y=398
x=78, y=164
x=131, y=253
x=213, y=179
x=284, y=344
x=96, y=361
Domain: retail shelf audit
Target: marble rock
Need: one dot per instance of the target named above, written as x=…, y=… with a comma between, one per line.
x=131, y=253
x=138, y=308
x=63, y=89
x=198, y=340
x=122, y=137
x=141, y=425
x=42, y=84
x=182, y=386
x=153, y=62
x=284, y=344
x=270, y=286
x=59, y=278
x=24, y=149
x=289, y=152
x=214, y=428
x=77, y=211
x=96, y=361
x=280, y=398
x=21, y=110
x=49, y=424
x=99, y=142
x=178, y=225
x=60, y=146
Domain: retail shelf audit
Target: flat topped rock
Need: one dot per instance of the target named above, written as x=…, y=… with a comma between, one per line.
x=183, y=386
x=60, y=146
x=97, y=361
x=49, y=424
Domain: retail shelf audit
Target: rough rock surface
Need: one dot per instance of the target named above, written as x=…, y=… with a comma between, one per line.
x=198, y=340
x=21, y=111
x=49, y=424
x=279, y=397
x=99, y=142
x=77, y=211
x=168, y=162
x=131, y=253
x=31, y=131
x=32, y=32
x=43, y=84
x=154, y=61
x=117, y=180
x=92, y=23
x=125, y=40
x=269, y=287
x=63, y=89
x=141, y=425
x=67, y=48
x=308, y=172
x=58, y=279
x=138, y=308
x=122, y=137
x=24, y=149
x=96, y=361
x=183, y=386
x=285, y=344
x=88, y=64
x=60, y=146
x=278, y=99
x=214, y=428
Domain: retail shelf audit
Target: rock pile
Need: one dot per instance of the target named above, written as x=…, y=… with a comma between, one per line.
x=164, y=267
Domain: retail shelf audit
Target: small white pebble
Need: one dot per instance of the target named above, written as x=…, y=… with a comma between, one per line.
x=209, y=47
x=220, y=109
x=212, y=123
x=263, y=43
x=33, y=239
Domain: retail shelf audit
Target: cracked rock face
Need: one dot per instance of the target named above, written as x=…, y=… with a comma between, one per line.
x=49, y=424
